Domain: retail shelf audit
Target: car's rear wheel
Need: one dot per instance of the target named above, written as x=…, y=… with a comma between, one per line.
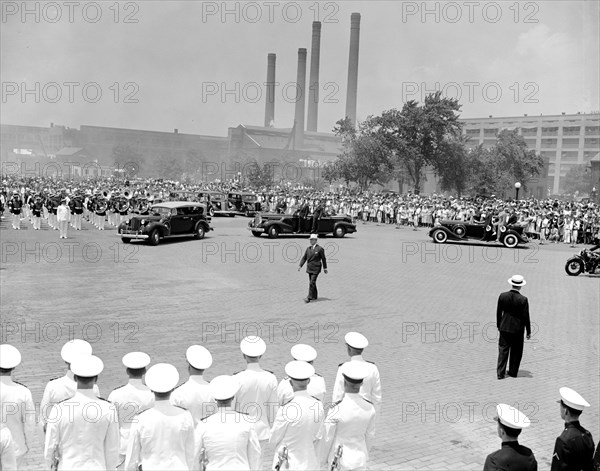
x=200, y=232
x=256, y=233
x=154, y=237
x=510, y=241
x=339, y=232
x=273, y=232
x=439, y=236
x=126, y=240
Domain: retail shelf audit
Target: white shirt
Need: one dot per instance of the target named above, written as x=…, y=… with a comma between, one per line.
x=257, y=397
x=316, y=388
x=229, y=440
x=8, y=458
x=18, y=413
x=85, y=432
x=370, y=389
x=130, y=399
x=351, y=423
x=57, y=390
x=162, y=438
x=63, y=213
x=297, y=426
x=194, y=395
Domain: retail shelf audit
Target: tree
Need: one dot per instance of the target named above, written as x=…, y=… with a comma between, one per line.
x=128, y=159
x=168, y=168
x=577, y=180
x=366, y=159
x=259, y=177
x=422, y=135
x=454, y=165
x=192, y=165
x=497, y=169
x=330, y=171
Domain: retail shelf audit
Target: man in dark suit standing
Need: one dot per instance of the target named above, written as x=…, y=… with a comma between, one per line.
x=317, y=214
x=512, y=318
x=314, y=256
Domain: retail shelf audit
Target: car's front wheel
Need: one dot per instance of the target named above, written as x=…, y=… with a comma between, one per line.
x=273, y=232
x=439, y=236
x=200, y=232
x=211, y=212
x=510, y=241
x=256, y=233
x=154, y=237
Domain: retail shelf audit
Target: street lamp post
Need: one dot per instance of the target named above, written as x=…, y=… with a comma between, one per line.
x=517, y=186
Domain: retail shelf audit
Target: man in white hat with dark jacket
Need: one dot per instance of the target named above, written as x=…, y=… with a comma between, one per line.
x=314, y=257
x=227, y=439
x=131, y=398
x=194, y=395
x=64, y=387
x=574, y=449
x=512, y=320
x=512, y=455
x=18, y=410
x=162, y=437
x=84, y=431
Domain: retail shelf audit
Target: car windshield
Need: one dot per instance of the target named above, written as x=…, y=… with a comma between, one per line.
x=161, y=211
x=249, y=198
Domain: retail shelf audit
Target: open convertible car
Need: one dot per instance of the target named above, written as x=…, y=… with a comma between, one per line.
x=275, y=224
x=510, y=235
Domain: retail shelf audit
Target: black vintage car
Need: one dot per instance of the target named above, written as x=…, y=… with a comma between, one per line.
x=275, y=224
x=167, y=220
x=219, y=204
x=244, y=203
x=510, y=235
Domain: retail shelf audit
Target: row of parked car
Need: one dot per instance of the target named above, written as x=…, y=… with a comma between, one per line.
x=192, y=213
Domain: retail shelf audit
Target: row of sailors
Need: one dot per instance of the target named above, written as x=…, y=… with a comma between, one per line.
x=223, y=424
x=58, y=211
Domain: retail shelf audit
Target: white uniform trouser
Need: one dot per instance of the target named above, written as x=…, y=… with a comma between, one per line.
x=37, y=222
x=62, y=226
x=16, y=221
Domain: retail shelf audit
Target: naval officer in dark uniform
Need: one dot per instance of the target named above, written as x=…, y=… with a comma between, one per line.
x=512, y=455
x=574, y=449
x=313, y=257
x=512, y=319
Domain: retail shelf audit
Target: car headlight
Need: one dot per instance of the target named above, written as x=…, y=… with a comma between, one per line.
x=142, y=222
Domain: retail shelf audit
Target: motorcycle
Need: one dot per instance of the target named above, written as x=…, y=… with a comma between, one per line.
x=585, y=262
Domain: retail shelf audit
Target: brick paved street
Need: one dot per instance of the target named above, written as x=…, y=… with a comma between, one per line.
x=427, y=310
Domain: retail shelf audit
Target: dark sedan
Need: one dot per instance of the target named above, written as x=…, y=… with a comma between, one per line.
x=275, y=224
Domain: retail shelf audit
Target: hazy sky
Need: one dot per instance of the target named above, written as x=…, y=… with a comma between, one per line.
x=161, y=65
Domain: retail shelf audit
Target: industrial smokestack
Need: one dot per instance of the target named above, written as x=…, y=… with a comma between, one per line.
x=313, y=84
x=270, y=103
x=352, y=89
x=300, y=93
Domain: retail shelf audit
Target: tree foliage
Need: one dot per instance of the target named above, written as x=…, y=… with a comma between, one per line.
x=259, y=177
x=128, y=159
x=577, y=180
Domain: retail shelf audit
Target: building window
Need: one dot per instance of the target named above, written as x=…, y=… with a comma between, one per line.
x=592, y=143
x=490, y=132
x=472, y=132
x=571, y=131
x=592, y=130
x=529, y=131
x=569, y=156
x=570, y=143
x=530, y=143
x=549, y=142
x=549, y=131
x=588, y=155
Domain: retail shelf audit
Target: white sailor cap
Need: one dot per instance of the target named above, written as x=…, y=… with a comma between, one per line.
x=517, y=280
x=224, y=387
x=10, y=357
x=512, y=417
x=162, y=378
x=199, y=357
x=253, y=346
x=303, y=352
x=87, y=366
x=313, y=236
x=299, y=370
x=355, y=371
x=74, y=349
x=356, y=340
x=573, y=399
x=136, y=360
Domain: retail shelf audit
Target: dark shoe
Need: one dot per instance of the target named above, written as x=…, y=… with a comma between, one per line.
x=306, y=300
x=512, y=376
x=501, y=377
